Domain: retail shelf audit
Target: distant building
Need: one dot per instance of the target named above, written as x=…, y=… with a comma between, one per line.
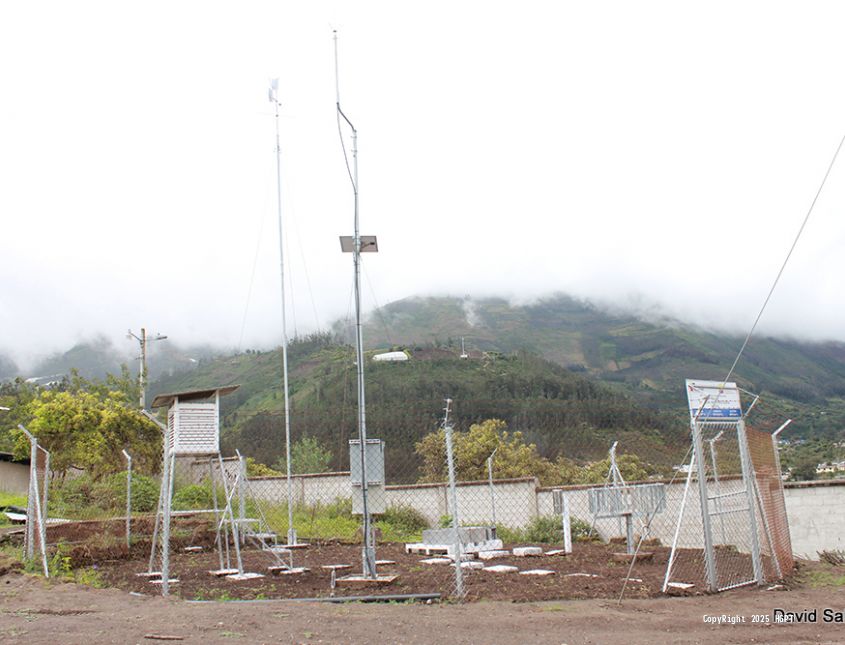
x=830, y=468
x=391, y=357
x=14, y=474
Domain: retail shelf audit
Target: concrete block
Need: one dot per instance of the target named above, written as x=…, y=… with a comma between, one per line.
x=466, y=534
x=436, y=561
x=245, y=576
x=492, y=555
x=501, y=568
x=527, y=551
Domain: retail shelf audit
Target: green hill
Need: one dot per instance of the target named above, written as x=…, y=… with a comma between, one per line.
x=562, y=412
x=646, y=360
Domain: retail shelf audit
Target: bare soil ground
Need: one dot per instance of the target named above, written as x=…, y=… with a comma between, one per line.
x=504, y=608
x=34, y=611
x=589, y=572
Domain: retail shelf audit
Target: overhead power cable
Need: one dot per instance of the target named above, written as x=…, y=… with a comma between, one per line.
x=785, y=261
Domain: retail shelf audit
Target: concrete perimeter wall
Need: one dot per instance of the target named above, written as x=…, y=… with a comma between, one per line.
x=815, y=510
x=14, y=477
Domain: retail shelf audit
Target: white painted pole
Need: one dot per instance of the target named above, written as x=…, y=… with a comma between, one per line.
x=490, y=484
x=567, y=525
x=678, y=526
x=291, y=536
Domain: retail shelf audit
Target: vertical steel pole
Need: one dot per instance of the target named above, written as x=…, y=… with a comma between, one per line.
x=748, y=479
x=718, y=500
x=490, y=483
x=34, y=513
x=217, y=539
x=776, y=448
x=30, y=504
x=235, y=532
x=39, y=514
x=165, y=525
x=369, y=553
x=369, y=549
x=142, y=371
x=453, y=493
x=170, y=464
x=46, y=495
x=241, y=498
x=128, y=498
x=159, y=511
x=709, y=555
x=291, y=537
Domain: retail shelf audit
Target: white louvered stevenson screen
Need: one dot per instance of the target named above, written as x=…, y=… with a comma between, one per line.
x=197, y=431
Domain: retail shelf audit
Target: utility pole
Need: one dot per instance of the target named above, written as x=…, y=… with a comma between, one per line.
x=142, y=368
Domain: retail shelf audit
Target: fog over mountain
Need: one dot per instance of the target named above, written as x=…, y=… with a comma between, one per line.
x=647, y=156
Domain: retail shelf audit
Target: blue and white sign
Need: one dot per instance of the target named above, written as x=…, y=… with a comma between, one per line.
x=713, y=401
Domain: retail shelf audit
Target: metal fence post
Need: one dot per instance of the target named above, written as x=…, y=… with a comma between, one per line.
x=45, y=496
x=749, y=481
x=241, y=501
x=567, y=524
x=29, y=536
x=490, y=483
x=169, y=465
x=456, y=526
x=35, y=513
x=709, y=555
x=128, y=497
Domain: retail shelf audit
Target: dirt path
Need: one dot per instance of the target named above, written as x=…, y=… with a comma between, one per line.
x=36, y=611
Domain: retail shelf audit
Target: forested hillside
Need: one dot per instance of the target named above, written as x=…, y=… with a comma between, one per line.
x=562, y=412
x=647, y=360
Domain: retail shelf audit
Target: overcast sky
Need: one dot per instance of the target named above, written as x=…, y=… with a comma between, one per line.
x=636, y=152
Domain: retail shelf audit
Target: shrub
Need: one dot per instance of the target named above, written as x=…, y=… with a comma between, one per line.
x=582, y=531
x=72, y=493
x=192, y=497
x=341, y=508
x=546, y=529
x=110, y=494
x=404, y=519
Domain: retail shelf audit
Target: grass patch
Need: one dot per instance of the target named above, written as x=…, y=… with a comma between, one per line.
x=335, y=521
x=10, y=499
x=90, y=577
x=546, y=530
x=824, y=578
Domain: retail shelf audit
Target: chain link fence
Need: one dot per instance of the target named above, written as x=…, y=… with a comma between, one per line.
x=221, y=505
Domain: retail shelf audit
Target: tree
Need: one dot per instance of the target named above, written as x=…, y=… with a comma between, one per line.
x=308, y=455
x=804, y=469
x=88, y=430
x=513, y=458
x=631, y=466
x=257, y=469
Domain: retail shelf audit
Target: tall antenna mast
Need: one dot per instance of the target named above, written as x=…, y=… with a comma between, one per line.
x=273, y=96
x=357, y=244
